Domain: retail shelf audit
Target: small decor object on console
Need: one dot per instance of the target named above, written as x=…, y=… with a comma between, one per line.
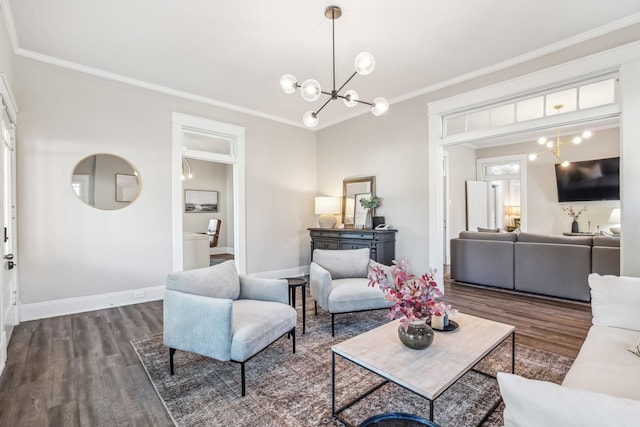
x=370, y=204
x=575, y=215
x=414, y=302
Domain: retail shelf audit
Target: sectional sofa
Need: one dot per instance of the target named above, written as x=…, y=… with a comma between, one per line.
x=556, y=266
x=601, y=388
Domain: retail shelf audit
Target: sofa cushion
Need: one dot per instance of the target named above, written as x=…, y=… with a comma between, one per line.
x=541, y=403
x=547, y=238
x=218, y=281
x=343, y=263
x=355, y=294
x=256, y=324
x=604, y=364
x=477, y=235
x=613, y=242
x=615, y=301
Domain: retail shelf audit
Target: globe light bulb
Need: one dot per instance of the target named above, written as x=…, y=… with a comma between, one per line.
x=542, y=140
x=532, y=156
x=364, y=63
x=586, y=134
x=288, y=83
x=310, y=90
x=577, y=140
x=564, y=164
x=380, y=106
x=310, y=119
x=351, y=98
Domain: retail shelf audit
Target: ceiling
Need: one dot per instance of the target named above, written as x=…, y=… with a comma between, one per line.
x=233, y=53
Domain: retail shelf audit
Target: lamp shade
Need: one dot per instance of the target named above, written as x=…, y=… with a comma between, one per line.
x=327, y=205
x=614, y=217
x=513, y=210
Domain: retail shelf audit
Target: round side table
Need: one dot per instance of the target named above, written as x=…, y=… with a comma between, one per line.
x=295, y=282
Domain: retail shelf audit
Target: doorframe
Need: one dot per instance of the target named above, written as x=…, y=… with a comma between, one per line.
x=624, y=59
x=183, y=123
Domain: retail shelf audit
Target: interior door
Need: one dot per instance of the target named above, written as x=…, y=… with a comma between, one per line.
x=8, y=274
x=477, y=205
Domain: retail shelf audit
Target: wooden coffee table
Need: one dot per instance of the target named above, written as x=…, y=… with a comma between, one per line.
x=429, y=372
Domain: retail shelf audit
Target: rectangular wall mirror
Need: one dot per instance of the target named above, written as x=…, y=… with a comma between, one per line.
x=350, y=188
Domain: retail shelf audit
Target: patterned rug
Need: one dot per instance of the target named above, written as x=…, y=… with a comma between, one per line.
x=285, y=389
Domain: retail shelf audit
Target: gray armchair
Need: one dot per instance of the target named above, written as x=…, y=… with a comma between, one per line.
x=217, y=313
x=338, y=282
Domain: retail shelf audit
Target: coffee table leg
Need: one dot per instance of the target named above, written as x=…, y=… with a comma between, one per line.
x=333, y=384
x=431, y=405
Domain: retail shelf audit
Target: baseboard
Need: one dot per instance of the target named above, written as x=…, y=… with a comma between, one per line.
x=279, y=274
x=221, y=250
x=61, y=307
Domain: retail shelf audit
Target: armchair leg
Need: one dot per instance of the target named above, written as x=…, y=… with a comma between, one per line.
x=172, y=351
x=333, y=331
x=293, y=340
x=242, y=374
x=315, y=306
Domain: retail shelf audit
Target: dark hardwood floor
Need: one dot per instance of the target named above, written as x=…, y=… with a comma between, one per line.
x=80, y=370
x=550, y=324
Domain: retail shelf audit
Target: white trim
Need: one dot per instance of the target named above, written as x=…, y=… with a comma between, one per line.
x=182, y=123
x=151, y=86
x=599, y=63
x=221, y=250
x=8, y=100
x=62, y=307
x=616, y=59
x=5, y=5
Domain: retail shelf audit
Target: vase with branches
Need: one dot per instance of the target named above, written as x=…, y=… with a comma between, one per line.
x=370, y=205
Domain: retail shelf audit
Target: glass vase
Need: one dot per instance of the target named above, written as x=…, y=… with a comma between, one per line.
x=368, y=219
x=418, y=335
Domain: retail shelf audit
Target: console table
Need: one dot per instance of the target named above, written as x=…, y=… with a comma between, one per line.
x=381, y=243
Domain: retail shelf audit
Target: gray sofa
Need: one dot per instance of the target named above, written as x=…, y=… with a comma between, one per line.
x=556, y=266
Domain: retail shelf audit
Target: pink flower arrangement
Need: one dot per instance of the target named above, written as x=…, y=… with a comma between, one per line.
x=413, y=298
x=573, y=214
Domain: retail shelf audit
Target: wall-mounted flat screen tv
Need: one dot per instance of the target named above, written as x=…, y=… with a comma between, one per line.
x=589, y=180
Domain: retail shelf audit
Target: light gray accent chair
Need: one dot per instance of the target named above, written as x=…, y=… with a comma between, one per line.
x=484, y=258
x=553, y=265
x=339, y=283
x=605, y=256
x=217, y=313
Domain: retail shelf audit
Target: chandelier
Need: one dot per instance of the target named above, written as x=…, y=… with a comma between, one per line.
x=310, y=89
x=553, y=147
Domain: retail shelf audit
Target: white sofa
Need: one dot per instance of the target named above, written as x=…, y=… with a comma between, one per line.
x=602, y=388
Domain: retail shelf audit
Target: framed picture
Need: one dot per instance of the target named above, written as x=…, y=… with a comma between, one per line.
x=360, y=215
x=200, y=201
x=126, y=187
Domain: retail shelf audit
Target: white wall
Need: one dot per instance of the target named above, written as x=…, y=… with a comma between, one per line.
x=545, y=214
x=462, y=168
x=209, y=176
x=68, y=249
x=6, y=54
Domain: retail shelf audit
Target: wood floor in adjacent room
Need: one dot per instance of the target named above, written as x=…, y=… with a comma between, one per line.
x=80, y=370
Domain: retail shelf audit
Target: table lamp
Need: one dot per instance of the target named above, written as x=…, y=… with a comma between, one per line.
x=327, y=208
x=614, y=218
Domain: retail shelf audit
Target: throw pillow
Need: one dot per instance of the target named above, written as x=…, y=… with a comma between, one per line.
x=488, y=230
x=218, y=281
x=615, y=301
x=532, y=403
x=635, y=349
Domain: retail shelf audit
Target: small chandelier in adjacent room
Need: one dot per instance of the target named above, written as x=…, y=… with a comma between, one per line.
x=554, y=146
x=310, y=89
x=189, y=174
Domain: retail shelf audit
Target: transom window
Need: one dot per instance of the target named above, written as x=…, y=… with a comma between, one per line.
x=595, y=92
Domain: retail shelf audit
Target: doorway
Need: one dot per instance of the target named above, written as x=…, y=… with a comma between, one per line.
x=213, y=142
x=9, y=316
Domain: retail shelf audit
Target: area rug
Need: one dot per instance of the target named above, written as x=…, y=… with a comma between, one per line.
x=285, y=389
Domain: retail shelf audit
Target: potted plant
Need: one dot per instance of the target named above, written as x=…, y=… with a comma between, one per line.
x=370, y=204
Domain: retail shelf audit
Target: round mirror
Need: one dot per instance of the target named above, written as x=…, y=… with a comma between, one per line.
x=105, y=181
